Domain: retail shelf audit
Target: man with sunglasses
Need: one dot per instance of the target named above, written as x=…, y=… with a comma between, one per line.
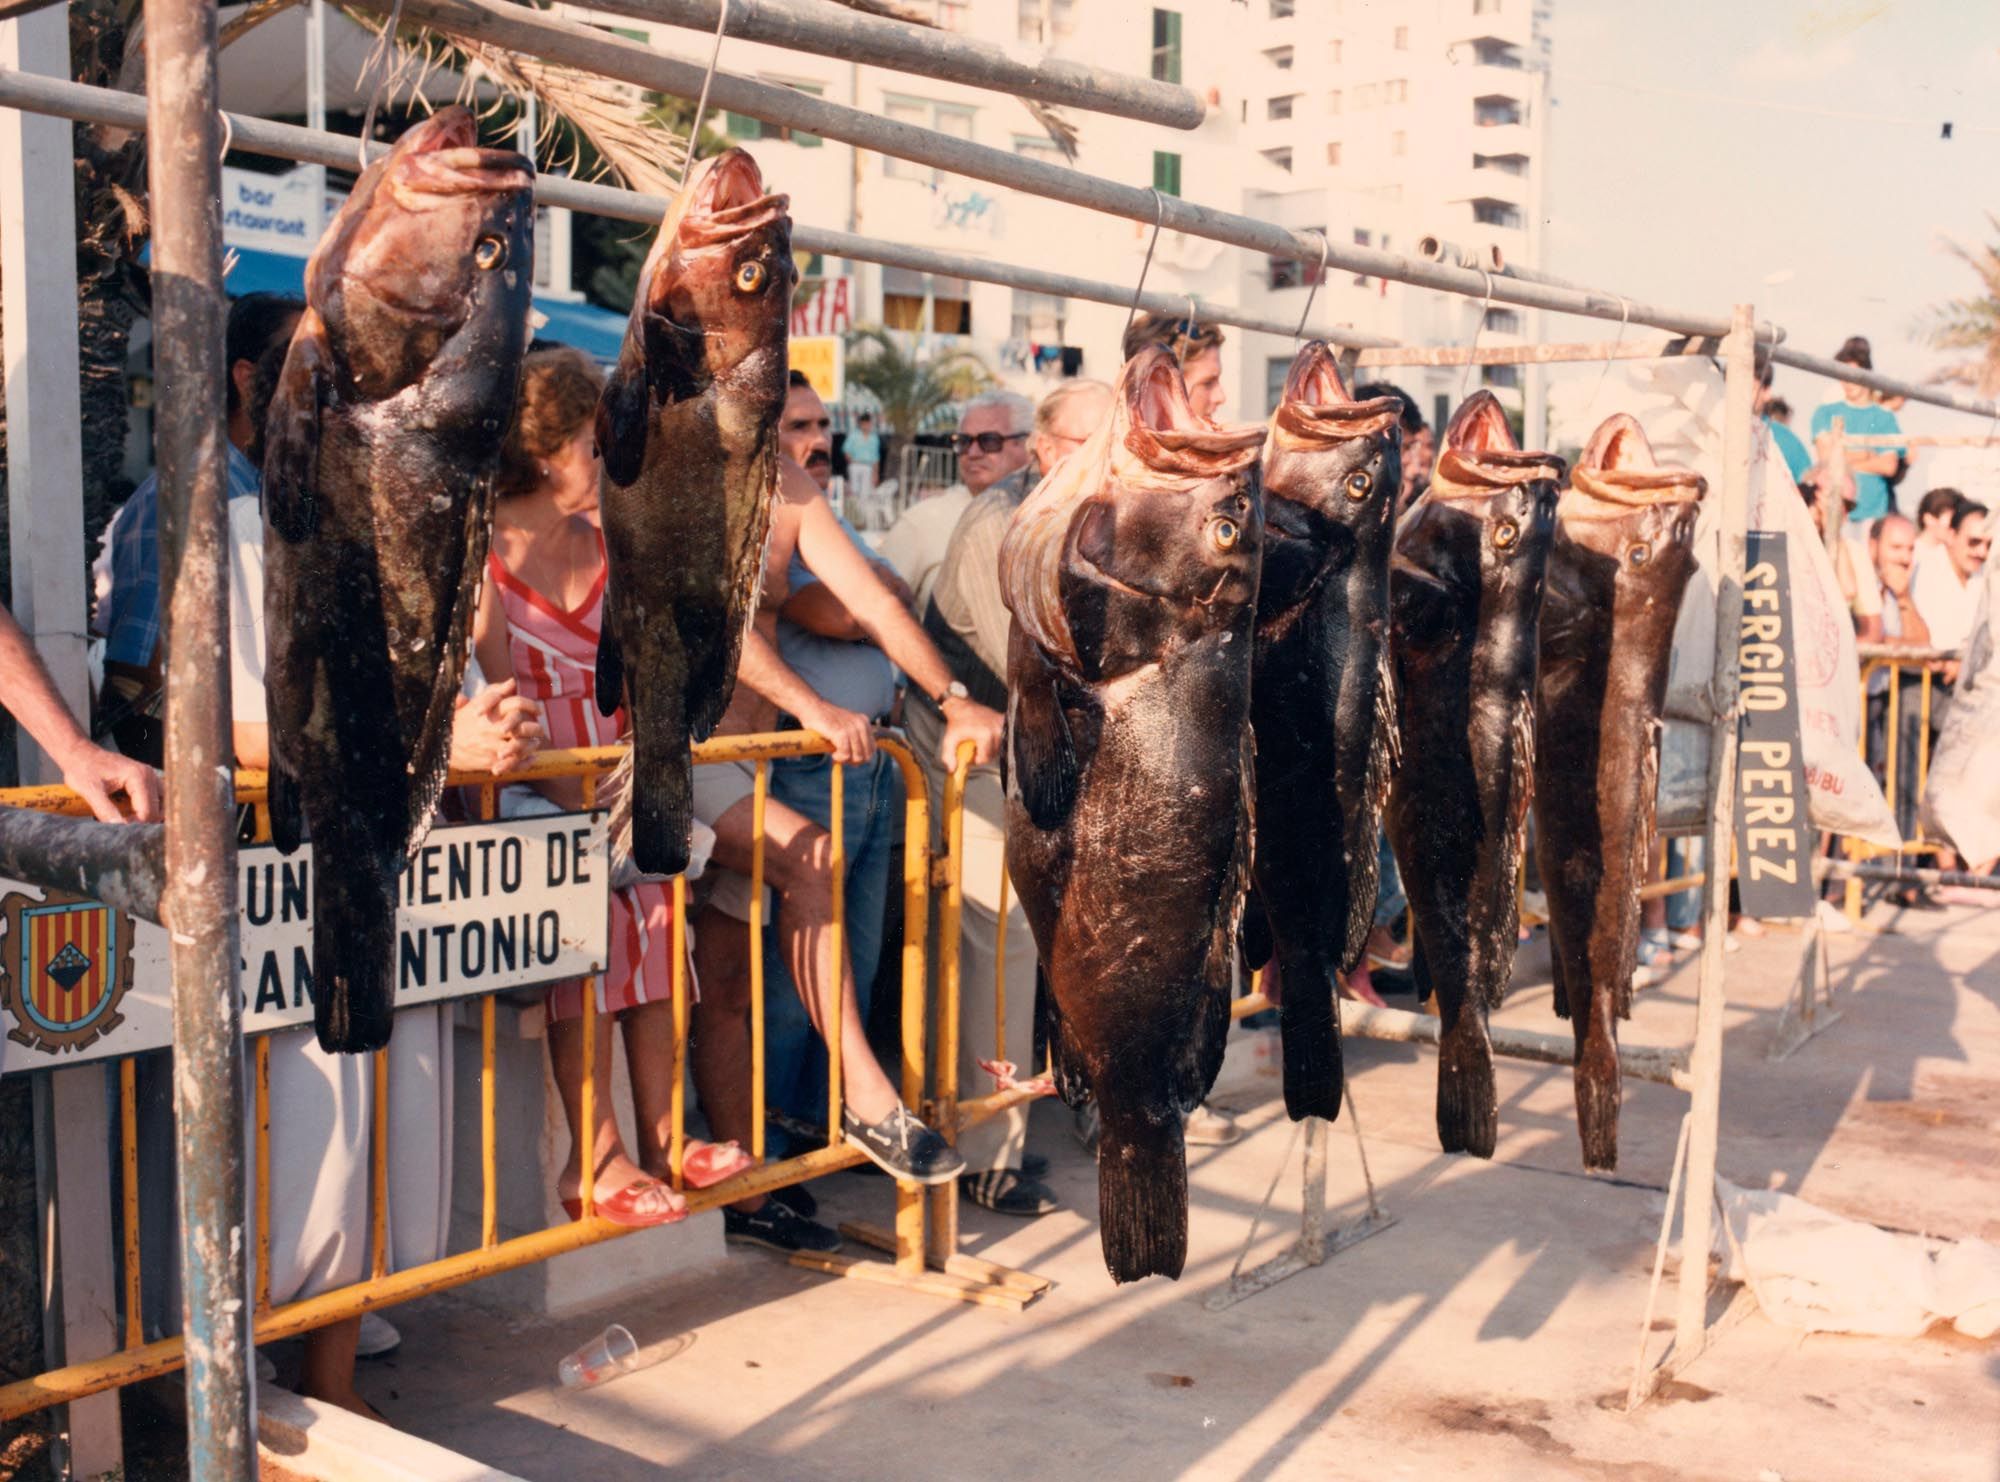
x=991, y=443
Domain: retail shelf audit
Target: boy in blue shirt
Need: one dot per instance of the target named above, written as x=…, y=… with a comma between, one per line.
x=1860, y=415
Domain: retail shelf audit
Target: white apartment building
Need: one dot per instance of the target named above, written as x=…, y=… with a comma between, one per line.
x=1376, y=120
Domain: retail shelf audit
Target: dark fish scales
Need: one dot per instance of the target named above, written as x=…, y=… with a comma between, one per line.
x=688, y=429
x=380, y=447
x=1621, y=561
x=1131, y=573
x=1320, y=705
x=1466, y=585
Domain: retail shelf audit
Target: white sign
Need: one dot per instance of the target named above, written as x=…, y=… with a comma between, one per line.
x=273, y=213
x=827, y=310
x=486, y=906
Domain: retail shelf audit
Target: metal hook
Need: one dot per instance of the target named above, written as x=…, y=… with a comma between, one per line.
x=228, y=133
x=1472, y=355
x=1312, y=289
x=701, y=104
x=1159, y=220
x=384, y=45
x=1624, y=318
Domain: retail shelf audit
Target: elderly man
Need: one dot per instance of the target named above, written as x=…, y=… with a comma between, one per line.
x=991, y=443
x=827, y=648
x=1198, y=348
x=1947, y=590
x=1892, y=547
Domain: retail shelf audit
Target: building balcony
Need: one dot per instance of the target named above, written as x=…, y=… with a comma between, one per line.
x=1503, y=139
x=1484, y=80
x=1511, y=21
x=1492, y=183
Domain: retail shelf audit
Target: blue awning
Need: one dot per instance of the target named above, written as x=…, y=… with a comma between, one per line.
x=597, y=332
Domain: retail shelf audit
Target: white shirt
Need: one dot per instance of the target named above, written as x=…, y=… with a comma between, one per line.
x=916, y=543
x=246, y=612
x=1946, y=604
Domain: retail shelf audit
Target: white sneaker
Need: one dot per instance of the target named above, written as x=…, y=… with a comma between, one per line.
x=1647, y=977
x=378, y=1336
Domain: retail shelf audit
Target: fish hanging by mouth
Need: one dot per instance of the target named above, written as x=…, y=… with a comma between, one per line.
x=1466, y=585
x=1623, y=553
x=1320, y=706
x=688, y=429
x=1131, y=574
x=381, y=443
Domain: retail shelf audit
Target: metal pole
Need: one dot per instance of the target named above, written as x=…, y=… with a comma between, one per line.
x=186, y=184
x=316, y=104
x=118, y=864
x=1705, y=1113
x=571, y=44
x=854, y=36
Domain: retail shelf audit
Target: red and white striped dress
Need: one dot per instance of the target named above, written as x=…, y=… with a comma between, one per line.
x=555, y=664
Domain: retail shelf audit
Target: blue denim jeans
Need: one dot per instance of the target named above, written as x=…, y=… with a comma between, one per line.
x=1683, y=906
x=1390, y=900
x=871, y=812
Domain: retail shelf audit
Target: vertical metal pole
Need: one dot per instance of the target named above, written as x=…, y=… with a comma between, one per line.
x=1691, y=1323
x=316, y=107
x=185, y=172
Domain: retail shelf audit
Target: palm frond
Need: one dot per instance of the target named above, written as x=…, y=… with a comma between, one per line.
x=1971, y=323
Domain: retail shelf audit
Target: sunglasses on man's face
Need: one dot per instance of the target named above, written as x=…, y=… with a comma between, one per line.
x=987, y=442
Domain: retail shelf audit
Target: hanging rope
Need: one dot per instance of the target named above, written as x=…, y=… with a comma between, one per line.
x=1159, y=219
x=701, y=103
x=1312, y=289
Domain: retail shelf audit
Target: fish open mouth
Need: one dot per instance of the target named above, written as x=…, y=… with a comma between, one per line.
x=1317, y=407
x=1618, y=473
x=727, y=200
x=1166, y=433
x=1480, y=454
x=442, y=156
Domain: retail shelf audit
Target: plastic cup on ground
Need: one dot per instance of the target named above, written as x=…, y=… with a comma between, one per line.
x=611, y=1353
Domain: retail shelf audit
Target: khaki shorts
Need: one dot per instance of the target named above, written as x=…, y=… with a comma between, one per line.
x=718, y=787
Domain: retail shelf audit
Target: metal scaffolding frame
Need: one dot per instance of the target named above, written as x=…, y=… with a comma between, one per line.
x=181, y=115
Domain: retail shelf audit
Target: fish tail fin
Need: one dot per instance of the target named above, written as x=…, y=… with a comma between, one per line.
x=1142, y=1196
x=662, y=772
x=1597, y=1093
x=1309, y=1027
x=1467, y=1117
x=354, y=948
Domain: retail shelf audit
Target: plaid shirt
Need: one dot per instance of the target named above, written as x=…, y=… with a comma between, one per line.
x=129, y=617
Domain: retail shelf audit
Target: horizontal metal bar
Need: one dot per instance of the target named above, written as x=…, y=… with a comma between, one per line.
x=1897, y=874
x=289, y=141
x=1903, y=653
x=1652, y=347
x=824, y=30
x=571, y=44
x=122, y=865
x=1819, y=365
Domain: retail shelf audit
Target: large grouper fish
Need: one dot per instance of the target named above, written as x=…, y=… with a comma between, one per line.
x=1131, y=573
x=1465, y=600
x=380, y=447
x=1320, y=705
x=688, y=429
x=1623, y=553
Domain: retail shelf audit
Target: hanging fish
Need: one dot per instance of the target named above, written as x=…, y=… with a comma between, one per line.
x=1320, y=705
x=1131, y=573
x=1465, y=598
x=1622, y=557
x=688, y=429
x=380, y=447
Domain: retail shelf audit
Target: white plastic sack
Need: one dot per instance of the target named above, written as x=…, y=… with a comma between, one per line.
x=1962, y=793
x=1679, y=403
x=1819, y=1272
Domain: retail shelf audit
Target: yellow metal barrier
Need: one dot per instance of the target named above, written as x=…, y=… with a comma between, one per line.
x=953, y=1275
x=1902, y=667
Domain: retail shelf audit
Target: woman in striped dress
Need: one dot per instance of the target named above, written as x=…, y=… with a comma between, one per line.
x=538, y=622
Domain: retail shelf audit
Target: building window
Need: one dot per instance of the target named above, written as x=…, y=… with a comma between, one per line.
x=1166, y=46
x=1496, y=213
x=1039, y=147
x=1506, y=164
x=1402, y=38
x=1333, y=101
x=1282, y=9
x=947, y=118
x=1333, y=151
x=1396, y=90
x=1275, y=108
x=1486, y=7
x=1399, y=143
x=1488, y=52
x=903, y=296
x=1166, y=173
x=1363, y=238
x=1333, y=52
x=1504, y=321
x=953, y=14
x=745, y=129
x=1045, y=22
x=1276, y=369
x=1500, y=375
x=1280, y=57
x=1494, y=111
x=1282, y=158
x=1039, y=317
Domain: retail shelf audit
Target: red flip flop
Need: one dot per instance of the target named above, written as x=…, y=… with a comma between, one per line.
x=706, y=1164
x=628, y=1207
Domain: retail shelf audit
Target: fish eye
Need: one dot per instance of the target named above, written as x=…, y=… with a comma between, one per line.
x=750, y=277
x=1639, y=554
x=1225, y=534
x=1505, y=534
x=1360, y=483
x=489, y=253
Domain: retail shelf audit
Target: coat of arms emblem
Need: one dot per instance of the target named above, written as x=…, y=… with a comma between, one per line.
x=65, y=963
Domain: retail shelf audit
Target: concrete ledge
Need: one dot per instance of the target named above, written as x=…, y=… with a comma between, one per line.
x=302, y=1440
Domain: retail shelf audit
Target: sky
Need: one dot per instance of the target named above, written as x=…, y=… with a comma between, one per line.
x=1784, y=153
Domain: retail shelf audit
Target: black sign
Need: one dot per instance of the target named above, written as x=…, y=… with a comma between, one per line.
x=1773, y=839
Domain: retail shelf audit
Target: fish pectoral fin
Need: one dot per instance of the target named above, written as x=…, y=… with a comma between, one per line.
x=291, y=435
x=621, y=418
x=610, y=663
x=1043, y=750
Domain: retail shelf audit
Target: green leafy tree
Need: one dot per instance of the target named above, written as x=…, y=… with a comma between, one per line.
x=1971, y=323
x=908, y=389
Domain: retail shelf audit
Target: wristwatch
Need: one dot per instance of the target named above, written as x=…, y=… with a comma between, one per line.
x=953, y=691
